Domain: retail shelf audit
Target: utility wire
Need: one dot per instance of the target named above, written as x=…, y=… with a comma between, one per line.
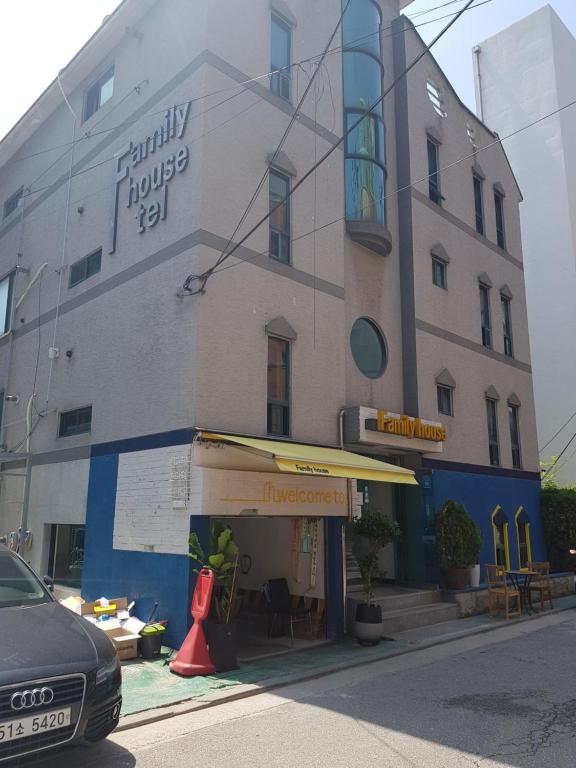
x=557, y=459
x=282, y=141
x=203, y=278
x=245, y=84
x=555, y=435
x=413, y=184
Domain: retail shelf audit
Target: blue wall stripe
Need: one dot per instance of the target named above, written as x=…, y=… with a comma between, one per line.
x=144, y=443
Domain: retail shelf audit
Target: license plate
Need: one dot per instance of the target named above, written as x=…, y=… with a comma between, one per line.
x=34, y=724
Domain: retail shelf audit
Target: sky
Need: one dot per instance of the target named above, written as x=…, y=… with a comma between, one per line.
x=33, y=53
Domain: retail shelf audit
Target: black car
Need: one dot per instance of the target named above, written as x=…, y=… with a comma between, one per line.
x=60, y=677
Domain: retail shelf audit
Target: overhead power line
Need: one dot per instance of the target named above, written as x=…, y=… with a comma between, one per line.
x=557, y=459
x=203, y=277
x=244, y=85
x=555, y=435
x=421, y=180
x=285, y=135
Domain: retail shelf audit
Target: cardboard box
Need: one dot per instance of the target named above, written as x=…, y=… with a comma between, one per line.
x=73, y=603
x=126, y=643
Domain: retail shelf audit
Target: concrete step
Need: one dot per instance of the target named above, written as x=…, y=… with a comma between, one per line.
x=422, y=616
x=406, y=599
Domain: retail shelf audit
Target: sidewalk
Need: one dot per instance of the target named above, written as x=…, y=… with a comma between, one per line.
x=151, y=692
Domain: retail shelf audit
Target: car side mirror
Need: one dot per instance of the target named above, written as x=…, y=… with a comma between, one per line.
x=49, y=583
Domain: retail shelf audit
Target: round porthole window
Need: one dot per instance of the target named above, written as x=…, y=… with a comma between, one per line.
x=368, y=348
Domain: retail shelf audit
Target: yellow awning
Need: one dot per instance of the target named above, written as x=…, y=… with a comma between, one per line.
x=321, y=462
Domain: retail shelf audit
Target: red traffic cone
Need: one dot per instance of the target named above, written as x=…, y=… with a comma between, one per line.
x=193, y=657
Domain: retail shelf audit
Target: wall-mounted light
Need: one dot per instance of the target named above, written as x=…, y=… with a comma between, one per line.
x=12, y=399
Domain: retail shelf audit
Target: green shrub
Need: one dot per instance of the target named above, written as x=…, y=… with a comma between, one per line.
x=458, y=538
x=558, y=514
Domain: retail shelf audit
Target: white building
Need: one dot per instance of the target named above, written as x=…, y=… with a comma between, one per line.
x=523, y=73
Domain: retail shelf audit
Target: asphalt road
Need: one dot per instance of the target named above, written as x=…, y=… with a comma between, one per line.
x=505, y=698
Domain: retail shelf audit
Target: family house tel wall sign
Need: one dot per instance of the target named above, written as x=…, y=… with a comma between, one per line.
x=146, y=190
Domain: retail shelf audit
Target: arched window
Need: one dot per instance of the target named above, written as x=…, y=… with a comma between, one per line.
x=523, y=537
x=500, y=535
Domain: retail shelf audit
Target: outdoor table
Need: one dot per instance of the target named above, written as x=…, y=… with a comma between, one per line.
x=521, y=581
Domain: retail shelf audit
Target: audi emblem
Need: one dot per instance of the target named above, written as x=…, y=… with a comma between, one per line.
x=35, y=697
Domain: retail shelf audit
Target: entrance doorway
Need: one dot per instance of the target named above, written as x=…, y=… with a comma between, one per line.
x=289, y=549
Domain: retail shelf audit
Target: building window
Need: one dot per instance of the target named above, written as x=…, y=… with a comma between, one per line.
x=514, y=419
x=85, y=268
x=365, y=163
x=13, y=202
x=433, y=172
x=507, y=326
x=478, y=204
x=523, y=535
x=500, y=539
x=280, y=219
x=485, y=321
x=280, y=59
x=278, y=386
x=66, y=558
x=499, y=209
x=439, y=272
x=6, y=287
x=1, y=408
x=368, y=348
x=445, y=404
x=75, y=422
x=493, y=444
x=99, y=93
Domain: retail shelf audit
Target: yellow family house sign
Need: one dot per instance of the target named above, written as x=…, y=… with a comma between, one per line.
x=412, y=428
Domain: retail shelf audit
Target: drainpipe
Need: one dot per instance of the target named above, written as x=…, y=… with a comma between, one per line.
x=349, y=510
x=28, y=477
x=478, y=81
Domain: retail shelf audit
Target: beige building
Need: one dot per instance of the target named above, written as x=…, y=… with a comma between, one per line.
x=380, y=307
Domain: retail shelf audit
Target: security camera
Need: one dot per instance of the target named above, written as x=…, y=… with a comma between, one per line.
x=69, y=353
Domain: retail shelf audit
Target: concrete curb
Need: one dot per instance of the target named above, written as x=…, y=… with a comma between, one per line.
x=187, y=706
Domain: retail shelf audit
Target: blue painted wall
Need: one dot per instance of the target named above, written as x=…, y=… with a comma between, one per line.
x=481, y=494
x=145, y=577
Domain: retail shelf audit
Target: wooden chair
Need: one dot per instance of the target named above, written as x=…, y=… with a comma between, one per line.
x=542, y=583
x=499, y=589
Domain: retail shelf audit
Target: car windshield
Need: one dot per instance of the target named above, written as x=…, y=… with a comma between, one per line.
x=18, y=585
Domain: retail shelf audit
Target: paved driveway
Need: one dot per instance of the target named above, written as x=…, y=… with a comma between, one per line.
x=506, y=698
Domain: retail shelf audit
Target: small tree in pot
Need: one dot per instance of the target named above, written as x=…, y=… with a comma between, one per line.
x=370, y=534
x=223, y=562
x=458, y=544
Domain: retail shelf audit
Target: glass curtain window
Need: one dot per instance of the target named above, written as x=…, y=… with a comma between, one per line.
x=478, y=204
x=500, y=533
x=515, y=436
x=433, y=172
x=365, y=165
x=278, y=386
x=523, y=535
x=280, y=58
x=439, y=273
x=507, y=326
x=280, y=218
x=99, y=93
x=444, y=395
x=485, y=321
x=494, y=447
x=67, y=554
x=499, y=210
x=6, y=303
x=368, y=348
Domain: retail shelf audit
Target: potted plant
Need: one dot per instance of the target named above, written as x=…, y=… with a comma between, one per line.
x=458, y=543
x=370, y=534
x=221, y=630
